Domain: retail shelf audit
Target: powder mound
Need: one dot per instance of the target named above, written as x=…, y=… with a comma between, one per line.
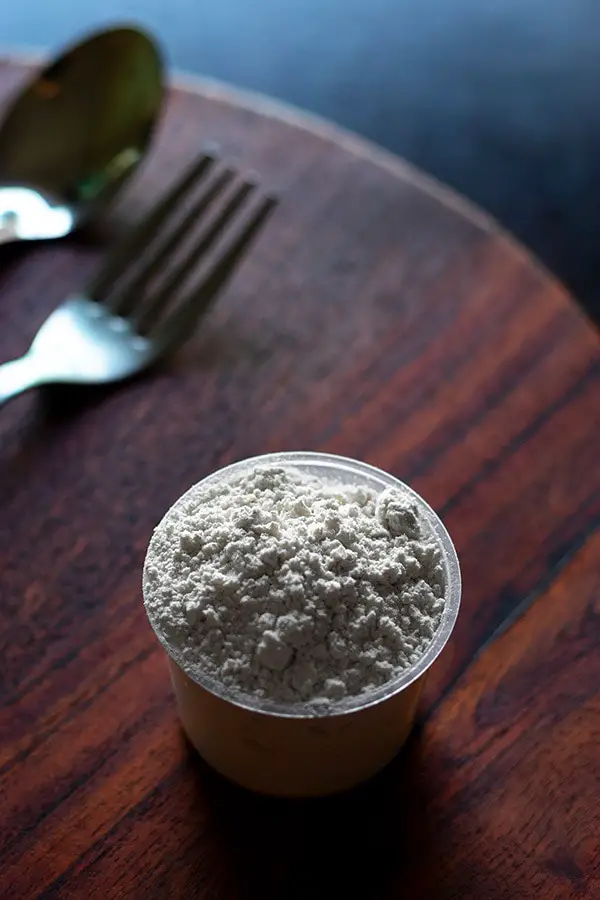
x=290, y=589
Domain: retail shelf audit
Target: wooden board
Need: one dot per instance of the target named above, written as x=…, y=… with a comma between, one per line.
x=380, y=317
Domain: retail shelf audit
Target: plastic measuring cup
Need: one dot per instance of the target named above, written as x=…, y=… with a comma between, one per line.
x=290, y=749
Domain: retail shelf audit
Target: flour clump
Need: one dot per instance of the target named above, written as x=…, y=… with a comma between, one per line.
x=287, y=588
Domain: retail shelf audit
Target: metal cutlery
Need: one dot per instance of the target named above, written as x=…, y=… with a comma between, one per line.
x=76, y=132
x=140, y=306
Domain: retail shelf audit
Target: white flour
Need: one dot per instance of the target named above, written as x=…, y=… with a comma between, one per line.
x=283, y=587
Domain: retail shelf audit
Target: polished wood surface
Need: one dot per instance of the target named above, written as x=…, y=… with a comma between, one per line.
x=377, y=316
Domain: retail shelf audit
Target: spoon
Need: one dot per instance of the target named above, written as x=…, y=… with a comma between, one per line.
x=76, y=133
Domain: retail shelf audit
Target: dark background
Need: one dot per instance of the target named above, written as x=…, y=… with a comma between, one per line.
x=498, y=98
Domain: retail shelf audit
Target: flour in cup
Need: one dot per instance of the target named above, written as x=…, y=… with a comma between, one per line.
x=287, y=588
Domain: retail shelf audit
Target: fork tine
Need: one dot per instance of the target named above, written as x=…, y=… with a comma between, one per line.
x=124, y=301
x=183, y=319
x=142, y=234
x=143, y=318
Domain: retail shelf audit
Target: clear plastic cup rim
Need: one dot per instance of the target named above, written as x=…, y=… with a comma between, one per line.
x=344, y=471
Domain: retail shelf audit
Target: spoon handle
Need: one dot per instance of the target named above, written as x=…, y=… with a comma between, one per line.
x=17, y=376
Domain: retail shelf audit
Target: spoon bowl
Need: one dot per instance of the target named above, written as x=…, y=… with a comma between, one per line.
x=76, y=132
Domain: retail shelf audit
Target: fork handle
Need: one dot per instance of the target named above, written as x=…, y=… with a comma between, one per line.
x=7, y=235
x=17, y=376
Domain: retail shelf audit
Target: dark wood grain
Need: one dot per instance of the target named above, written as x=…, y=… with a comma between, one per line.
x=496, y=796
x=379, y=317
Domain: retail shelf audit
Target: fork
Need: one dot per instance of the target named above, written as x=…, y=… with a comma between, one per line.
x=123, y=322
